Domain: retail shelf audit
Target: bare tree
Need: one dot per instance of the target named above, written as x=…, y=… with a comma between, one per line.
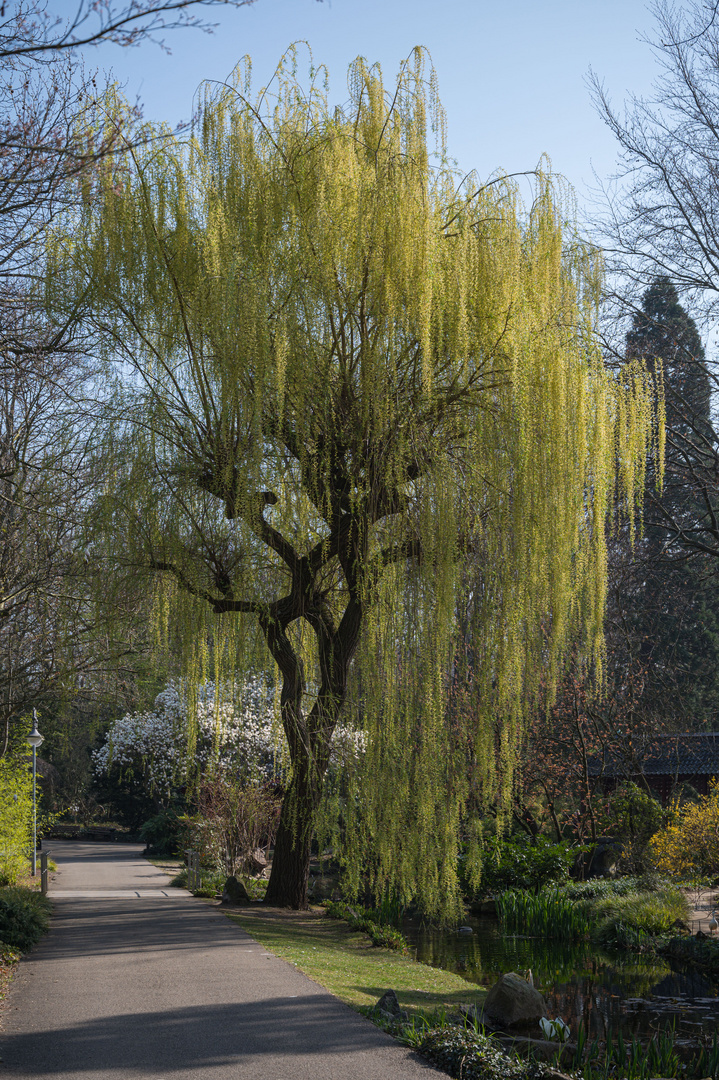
x=663, y=217
x=32, y=29
x=661, y=224
x=55, y=636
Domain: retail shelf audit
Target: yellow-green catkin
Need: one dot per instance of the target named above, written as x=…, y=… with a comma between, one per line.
x=305, y=290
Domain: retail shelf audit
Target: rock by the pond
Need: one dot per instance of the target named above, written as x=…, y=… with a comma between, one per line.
x=235, y=892
x=465, y=930
x=513, y=1003
x=388, y=1006
x=540, y=1049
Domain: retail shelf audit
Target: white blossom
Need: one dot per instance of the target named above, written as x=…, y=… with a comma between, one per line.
x=242, y=738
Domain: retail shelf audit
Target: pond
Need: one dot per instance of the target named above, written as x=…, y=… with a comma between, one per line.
x=607, y=992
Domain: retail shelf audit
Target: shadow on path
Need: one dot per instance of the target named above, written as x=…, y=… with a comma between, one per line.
x=190, y=1038
x=169, y=987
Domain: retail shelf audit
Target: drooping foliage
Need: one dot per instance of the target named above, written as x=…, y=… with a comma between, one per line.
x=364, y=398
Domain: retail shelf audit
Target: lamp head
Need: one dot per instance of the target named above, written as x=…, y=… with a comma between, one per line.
x=34, y=738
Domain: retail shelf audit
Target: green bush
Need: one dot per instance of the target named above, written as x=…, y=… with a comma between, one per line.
x=522, y=863
x=471, y=1055
x=599, y=888
x=624, y=921
x=163, y=834
x=632, y=817
x=15, y=816
x=630, y=814
x=384, y=936
x=24, y=917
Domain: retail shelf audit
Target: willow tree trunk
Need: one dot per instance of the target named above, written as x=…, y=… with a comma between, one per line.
x=309, y=737
x=290, y=873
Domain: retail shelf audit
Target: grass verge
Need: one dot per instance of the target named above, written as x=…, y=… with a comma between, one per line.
x=349, y=966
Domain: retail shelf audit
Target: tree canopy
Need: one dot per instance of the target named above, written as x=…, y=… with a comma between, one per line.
x=365, y=428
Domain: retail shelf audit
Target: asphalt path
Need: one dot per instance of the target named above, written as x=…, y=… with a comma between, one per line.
x=136, y=979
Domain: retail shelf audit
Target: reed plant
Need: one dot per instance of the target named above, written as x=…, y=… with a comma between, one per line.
x=631, y=1060
x=707, y=1064
x=544, y=914
x=389, y=912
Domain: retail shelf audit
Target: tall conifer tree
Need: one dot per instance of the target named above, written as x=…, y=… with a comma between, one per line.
x=674, y=603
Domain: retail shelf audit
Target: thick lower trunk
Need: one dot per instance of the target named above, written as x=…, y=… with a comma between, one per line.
x=287, y=886
x=309, y=741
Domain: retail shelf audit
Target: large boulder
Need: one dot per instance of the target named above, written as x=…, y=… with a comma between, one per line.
x=513, y=1003
x=235, y=892
x=388, y=1007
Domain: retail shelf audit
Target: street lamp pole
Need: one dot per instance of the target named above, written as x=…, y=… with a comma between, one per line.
x=35, y=739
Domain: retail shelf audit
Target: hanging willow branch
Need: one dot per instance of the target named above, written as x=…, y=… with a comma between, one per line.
x=383, y=454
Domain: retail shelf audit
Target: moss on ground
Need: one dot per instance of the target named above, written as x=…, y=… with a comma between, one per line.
x=346, y=963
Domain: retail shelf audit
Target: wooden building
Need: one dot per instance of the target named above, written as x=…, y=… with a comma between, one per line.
x=666, y=762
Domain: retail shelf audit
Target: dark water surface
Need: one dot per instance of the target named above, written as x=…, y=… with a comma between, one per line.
x=625, y=992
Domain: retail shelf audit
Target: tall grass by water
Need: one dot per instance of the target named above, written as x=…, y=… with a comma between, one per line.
x=642, y=915
x=544, y=914
x=623, y=914
x=635, y=1060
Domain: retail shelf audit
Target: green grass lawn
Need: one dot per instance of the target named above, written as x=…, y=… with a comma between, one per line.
x=347, y=964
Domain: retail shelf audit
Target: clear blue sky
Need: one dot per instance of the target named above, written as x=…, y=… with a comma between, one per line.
x=512, y=77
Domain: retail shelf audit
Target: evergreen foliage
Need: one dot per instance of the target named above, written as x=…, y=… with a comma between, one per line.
x=521, y=863
x=666, y=337
x=672, y=607
x=358, y=383
x=24, y=917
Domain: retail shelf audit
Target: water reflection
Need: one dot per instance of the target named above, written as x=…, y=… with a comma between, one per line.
x=632, y=993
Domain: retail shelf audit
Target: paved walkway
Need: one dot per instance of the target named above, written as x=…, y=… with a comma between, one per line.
x=703, y=906
x=138, y=980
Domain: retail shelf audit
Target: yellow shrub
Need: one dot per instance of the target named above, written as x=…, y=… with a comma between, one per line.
x=15, y=816
x=689, y=844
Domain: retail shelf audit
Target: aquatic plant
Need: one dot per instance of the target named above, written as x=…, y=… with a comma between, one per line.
x=635, y=1060
x=390, y=912
x=707, y=1063
x=546, y=914
x=627, y=921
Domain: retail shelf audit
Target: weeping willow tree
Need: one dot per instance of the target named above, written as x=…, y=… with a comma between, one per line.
x=367, y=423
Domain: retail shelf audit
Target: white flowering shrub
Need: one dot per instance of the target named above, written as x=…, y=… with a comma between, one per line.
x=244, y=739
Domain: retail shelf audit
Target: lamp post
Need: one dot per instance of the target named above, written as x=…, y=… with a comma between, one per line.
x=35, y=739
